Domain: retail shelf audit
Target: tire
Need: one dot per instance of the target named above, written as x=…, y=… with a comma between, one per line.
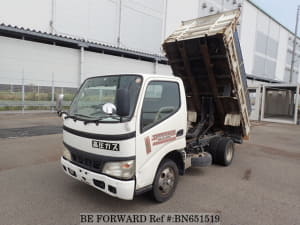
x=224, y=152
x=165, y=181
x=213, y=144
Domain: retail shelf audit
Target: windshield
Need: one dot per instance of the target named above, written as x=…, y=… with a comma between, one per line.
x=97, y=91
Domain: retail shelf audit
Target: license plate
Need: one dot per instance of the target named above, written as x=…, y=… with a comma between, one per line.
x=106, y=145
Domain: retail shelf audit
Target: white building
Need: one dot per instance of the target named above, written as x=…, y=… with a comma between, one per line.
x=89, y=37
x=266, y=44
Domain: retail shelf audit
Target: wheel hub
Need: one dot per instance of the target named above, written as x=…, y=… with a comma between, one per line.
x=166, y=180
x=229, y=154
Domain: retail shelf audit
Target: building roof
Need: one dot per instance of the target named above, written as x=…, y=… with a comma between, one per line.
x=262, y=79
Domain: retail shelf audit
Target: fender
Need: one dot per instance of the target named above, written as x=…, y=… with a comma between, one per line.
x=149, y=169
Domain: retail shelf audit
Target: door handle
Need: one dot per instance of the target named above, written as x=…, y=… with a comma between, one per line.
x=179, y=133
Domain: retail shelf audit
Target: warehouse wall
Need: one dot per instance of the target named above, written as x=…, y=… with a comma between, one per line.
x=269, y=55
x=96, y=64
x=106, y=20
x=247, y=34
x=177, y=11
x=33, y=14
x=134, y=24
x=143, y=24
x=43, y=64
x=288, y=59
x=37, y=63
x=282, y=55
x=266, y=45
x=164, y=70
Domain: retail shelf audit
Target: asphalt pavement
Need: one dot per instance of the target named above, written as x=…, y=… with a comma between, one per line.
x=262, y=186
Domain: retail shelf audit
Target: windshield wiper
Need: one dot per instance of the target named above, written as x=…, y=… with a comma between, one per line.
x=114, y=116
x=75, y=116
x=95, y=113
x=87, y=121
x=97, y=121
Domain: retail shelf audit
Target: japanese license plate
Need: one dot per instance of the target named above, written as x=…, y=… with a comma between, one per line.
x=105, y=145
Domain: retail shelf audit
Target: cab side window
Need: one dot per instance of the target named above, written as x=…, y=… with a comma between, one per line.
x=162, y=99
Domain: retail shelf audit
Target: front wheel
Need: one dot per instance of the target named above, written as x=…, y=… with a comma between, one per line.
x=165, y=181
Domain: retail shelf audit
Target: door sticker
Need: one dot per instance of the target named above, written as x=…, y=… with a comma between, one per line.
x=164, y=137
x=158, y=139
x=148, y=144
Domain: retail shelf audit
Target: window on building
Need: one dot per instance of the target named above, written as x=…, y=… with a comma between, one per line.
x=272, y=48
x=270, y=68
x=289, y=57
x=259, y=65
x=290, y=41
x=287, y=73
x=261, y=42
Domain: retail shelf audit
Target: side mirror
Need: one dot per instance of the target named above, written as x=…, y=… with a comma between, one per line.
x=59, y=103
x=123, y=102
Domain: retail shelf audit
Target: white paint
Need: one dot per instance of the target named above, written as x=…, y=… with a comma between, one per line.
x=147, y=164
x=140, y=30
x=164, y=69
x=125, y=189
x=33, y=14
x=179, y=11
x=143, y=22
x=69, y=66
x=282, y=53
x=93, y=20
x=255, y=101
x=247, y=35
x=99, y=64
x=262, y=24
x=39, y=62
x=81, y=73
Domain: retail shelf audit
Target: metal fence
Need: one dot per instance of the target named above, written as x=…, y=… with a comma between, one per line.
x=29, y=96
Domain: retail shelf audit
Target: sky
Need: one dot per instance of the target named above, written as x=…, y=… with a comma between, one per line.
x=284, y=11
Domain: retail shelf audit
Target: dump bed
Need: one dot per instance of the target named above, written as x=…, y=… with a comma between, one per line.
x=206, y=54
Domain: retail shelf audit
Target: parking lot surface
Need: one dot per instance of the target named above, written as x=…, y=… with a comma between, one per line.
x=262, y=186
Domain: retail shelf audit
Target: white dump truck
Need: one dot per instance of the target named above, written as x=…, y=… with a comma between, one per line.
x=126, y=134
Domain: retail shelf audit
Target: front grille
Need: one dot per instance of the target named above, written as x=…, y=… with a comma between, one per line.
x=90, y=161
x=87, y=161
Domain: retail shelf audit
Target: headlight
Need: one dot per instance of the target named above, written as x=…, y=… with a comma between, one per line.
x=66, y=154
x=124, y=169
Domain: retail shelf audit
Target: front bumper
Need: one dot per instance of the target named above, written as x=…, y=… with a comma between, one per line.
x=114, y=187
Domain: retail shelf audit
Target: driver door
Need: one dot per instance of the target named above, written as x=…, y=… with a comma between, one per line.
x=161, y=127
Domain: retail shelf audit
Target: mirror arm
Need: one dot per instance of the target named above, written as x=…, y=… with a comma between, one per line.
x=60, y=113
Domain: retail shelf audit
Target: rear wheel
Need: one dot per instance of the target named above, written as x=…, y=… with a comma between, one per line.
x=224, y=152
x=165, y=181
x=213, y=145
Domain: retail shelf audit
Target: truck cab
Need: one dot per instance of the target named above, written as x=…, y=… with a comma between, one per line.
x=120, y=128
